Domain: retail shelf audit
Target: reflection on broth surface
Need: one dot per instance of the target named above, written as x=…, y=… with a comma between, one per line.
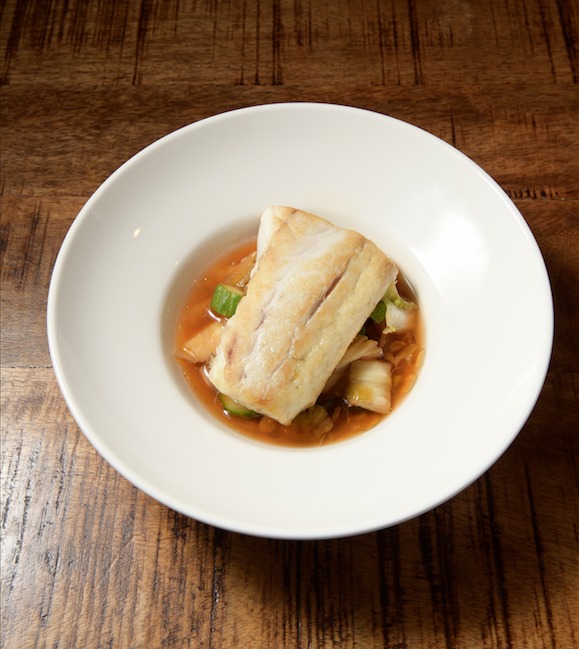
x=332, y=419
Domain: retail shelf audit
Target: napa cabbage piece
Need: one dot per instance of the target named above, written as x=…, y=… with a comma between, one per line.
x=379, y=312
x=315, y=420
x=201, y=347
x=370, y=385
x=360, y=347
x=400, y=314
x=240, y=274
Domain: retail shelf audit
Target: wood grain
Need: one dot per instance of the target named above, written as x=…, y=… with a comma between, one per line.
x=87, y=559
x=290, y=42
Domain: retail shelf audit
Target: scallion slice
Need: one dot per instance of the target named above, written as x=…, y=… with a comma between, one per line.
x=225, y=299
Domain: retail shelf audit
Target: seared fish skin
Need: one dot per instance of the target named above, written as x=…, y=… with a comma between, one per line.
x=313, y=287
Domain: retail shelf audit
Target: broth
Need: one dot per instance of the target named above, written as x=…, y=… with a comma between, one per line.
x=195, y=315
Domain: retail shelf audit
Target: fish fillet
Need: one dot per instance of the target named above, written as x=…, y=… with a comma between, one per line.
x=312, y=288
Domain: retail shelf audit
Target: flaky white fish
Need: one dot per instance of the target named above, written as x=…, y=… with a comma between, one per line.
x=313, y=287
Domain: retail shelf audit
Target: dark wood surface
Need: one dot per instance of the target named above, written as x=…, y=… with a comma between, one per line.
x=90, y=561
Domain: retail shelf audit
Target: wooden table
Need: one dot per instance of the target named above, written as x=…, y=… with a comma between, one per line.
x=90, y=561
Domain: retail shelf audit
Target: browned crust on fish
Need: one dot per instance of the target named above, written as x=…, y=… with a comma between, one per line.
x=313, y=288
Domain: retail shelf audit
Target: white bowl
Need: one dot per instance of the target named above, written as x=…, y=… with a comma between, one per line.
x=139, y=241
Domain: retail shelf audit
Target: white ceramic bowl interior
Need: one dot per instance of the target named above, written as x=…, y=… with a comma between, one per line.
x=140, y=240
